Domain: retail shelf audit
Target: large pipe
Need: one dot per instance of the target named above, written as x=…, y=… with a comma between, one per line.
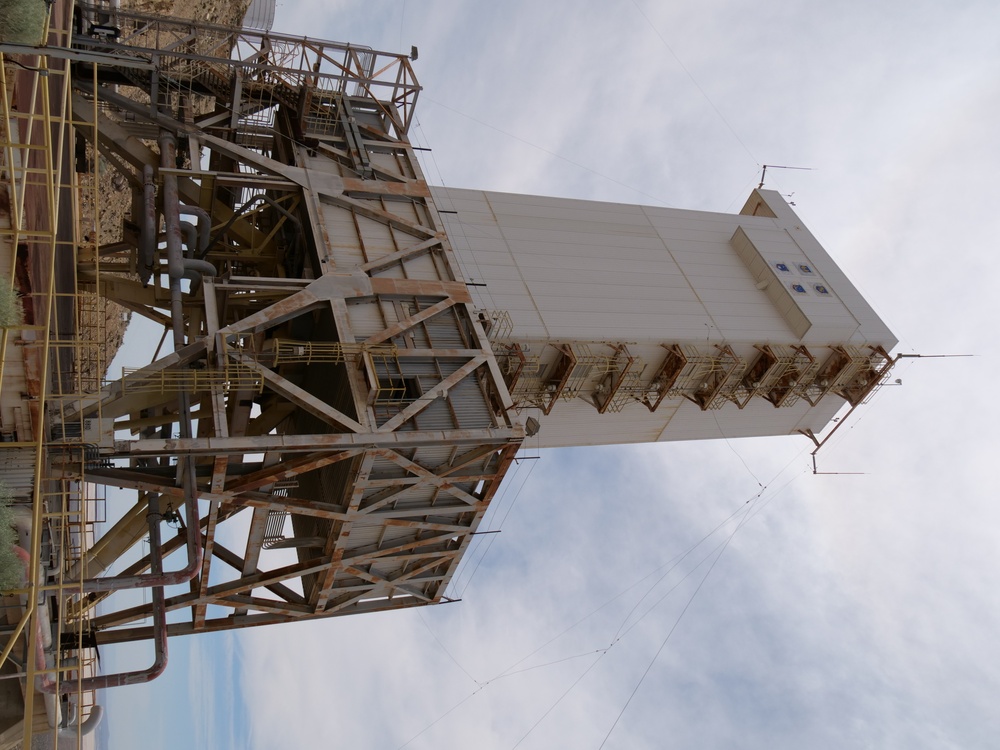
x=87, y=727
x=194, y=269
x=171, y=214
x=200, y=267
x=172, y=226
x=135, y=677
x=190, y=234
x=148, y=231
x=204, y=223
x=175, y=265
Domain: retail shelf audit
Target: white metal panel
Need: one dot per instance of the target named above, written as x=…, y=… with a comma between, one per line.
x=579, y=271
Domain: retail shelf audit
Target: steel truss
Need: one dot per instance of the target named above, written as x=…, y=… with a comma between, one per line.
x=332, y=419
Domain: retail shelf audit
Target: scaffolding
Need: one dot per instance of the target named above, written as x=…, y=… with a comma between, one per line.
x=49, y=364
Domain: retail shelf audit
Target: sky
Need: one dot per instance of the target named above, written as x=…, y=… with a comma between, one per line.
x=711, y=594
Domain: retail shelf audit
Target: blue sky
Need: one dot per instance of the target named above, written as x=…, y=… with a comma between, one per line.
x=846, y=609
x=197, y=702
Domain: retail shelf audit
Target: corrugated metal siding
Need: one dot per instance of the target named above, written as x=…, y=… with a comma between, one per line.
x=577, y=270
x=344, y=245
x=17, y=471
x=465, y=406
x=386, y=162
x=443, y=331
x=367, y=319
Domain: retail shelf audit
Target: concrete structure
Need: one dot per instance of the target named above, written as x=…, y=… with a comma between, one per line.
x=356, y=358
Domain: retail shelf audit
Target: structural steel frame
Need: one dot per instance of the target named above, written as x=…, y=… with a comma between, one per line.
x=400, y=503
x=332, y=419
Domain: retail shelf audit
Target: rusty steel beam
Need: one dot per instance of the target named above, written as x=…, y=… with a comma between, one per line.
x=426, y=526
x=340, y=534
x=208, y=545
x=299, y=396
x=310, y=443
x=407, y=323
x=380, y=215
x=378, y=188
x=381, y=263
x=130, y=635
x=363, y=557
x=438, y=391
x=237, y=586
x=465, y=459
x=286, y=470
x=387, y=287
x=261, y=605
x=236, y=562
x=390, y=494
x=380, y=582
x=434, y=510
x=298, y=506
x=254, y=545
x=445, y=485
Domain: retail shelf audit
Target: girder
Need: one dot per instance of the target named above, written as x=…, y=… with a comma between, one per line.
x=343, y=388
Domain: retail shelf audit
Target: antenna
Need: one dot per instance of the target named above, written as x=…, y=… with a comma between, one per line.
x=819, y=443
x=839, y=473
x=763, y=173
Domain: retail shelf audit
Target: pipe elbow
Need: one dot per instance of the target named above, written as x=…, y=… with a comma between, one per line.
x=204, y=225
x=87, y=727
x=195, y=270
x=203, y=267
x=190, y=234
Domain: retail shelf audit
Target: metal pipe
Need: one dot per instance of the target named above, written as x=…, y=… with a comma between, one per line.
x=172, y=226
x=148, y=231
x=154, y=670
x=190, y=233
x=204, y=225
x=195, y=269
x=200, y=267
x=185, y=464
x=87, y=727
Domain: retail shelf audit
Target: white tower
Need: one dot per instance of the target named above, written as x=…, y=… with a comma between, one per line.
x=619, y=323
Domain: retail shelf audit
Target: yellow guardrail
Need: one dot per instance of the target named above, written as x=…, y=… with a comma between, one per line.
x=37, y=179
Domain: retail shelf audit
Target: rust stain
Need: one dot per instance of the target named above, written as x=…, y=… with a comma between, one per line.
x=22, y=279
x=413, y=189
x=457, y=290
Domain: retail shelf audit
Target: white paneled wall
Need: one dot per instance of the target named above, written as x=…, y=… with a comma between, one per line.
x=597, y=273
